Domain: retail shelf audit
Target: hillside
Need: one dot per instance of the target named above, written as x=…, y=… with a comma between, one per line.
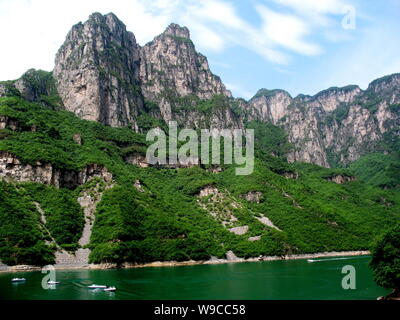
x=75, y=186
x=156, y=213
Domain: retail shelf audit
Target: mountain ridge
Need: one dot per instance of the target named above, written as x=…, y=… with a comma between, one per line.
x=101, y=73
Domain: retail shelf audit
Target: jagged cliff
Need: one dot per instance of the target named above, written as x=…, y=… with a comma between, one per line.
x=171, y=69
x=97, y=72
x=337, y=125
x=102, y=74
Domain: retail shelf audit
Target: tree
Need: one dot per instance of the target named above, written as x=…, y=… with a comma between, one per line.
x=386, y=260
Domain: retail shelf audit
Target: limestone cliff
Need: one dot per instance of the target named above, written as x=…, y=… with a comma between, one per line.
x=13, y=170
x=171, y=69
x=97, y=72
x=337, y=125
x=102, y=74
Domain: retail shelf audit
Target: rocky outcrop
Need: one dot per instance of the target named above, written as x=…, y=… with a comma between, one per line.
x=8, y=123
x=340, y=179
x=32, y=86
x=97, y=72
x=13, y=170
x=219, y=205
x=171, y=69
x=239, y=230
x=336, y=126
x=136, y=159
x=255, y=238
x=208, y=191
x=102, y=74
x=264, y=220
x=253, y=196
x=268, y=106
x=3, y=90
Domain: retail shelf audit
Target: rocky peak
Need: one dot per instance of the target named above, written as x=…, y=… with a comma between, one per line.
x=390, y=82
x=176, y=30
x=331, y=98
x=171, y=68
x=97, y=71
x=269, y=105
x=337, y=125
x=32, y=85
x=103, y=75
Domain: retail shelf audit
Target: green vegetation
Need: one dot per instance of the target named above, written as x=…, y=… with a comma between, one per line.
x=395, y=108
x=385, y=260
x=21, y=238
x=64, y=216
x=269, y=139
x=378, y=170
x=165, y=219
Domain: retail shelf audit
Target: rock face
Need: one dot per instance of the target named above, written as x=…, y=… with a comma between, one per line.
x=11, y=169
x=170, y=63
x=269, y=105
x=253, y=196
x=103, y=75
x=337, y=125
x=340, y=179
x=171, y=69
x=97, y=72
x=32, y=85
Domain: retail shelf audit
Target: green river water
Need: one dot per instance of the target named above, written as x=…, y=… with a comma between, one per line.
x=269, y=280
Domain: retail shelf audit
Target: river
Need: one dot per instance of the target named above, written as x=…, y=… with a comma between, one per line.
x=270, y=280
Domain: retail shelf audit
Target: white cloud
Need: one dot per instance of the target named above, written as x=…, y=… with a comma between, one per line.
x=288, y=31
x=366, y=61
x=34, y=30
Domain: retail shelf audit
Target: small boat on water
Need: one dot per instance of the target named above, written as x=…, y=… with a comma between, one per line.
x=53, y=282
x=18, y=280
x=110, y=289
x=97, y=286
x=310, y=260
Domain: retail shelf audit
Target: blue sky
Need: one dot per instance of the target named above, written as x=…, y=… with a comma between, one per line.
x=302, y=46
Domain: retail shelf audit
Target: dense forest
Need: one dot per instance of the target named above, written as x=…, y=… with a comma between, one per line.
x=165, y=218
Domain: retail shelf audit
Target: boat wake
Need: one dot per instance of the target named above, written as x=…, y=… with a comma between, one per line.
x=328, y=259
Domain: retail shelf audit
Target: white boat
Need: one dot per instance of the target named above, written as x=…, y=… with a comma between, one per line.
x=18, y=280
x=110, y=289
x=310, y=260
x=53, y=282
x=97, y=286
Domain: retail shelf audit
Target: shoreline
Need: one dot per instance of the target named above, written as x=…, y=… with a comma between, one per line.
x=108, y=266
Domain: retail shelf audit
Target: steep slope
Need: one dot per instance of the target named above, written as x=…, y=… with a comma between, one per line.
x=175, y=77
x=97, y=72
x=338, y=125
x=102, y=74
x=156, y=214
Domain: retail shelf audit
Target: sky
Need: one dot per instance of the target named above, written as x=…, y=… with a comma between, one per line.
x=301, y=46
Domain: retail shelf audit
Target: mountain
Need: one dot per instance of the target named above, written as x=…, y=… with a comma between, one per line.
x=102, y=74
x=97, y=72
x=336, y=126
x=75, y=186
